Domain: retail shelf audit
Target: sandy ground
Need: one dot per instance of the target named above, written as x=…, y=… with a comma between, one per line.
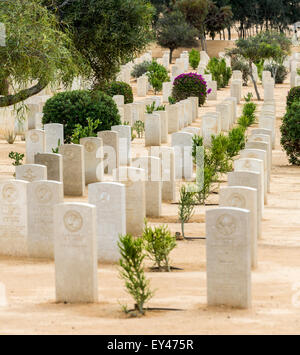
x=30, y=284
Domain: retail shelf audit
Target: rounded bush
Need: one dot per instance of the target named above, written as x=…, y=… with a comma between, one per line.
x=290, y=133
x=75, y=107
x=191, y=84
x=293, y=96
x=120, y=88
x=281, y=72
x=140, y=69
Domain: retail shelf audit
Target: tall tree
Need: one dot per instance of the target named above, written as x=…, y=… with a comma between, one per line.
x=195, y=12
x=36, y=51
x=173, y=32
x=108, y=33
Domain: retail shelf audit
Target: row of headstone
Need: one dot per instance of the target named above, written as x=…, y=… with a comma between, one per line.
x=234, y=228
x=228, y=112
x=236, y=85
x=294, y=66
x=267, y=118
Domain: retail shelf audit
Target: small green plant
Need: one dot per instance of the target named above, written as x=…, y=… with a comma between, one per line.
x=290, y=133
x=194, y=58
x=157, y=75
x=87, y=131
x=17, y=157
x=249, y=110
x=186, y=206
x=172, y=100
x=244, y=122
x=140, y=69
x=161, y=108
x=158, y=244
x=132, y=271
x=236, y=141
x=56, y=150
x=197, y=142
x=209, y=178
x=217, y=157
x=139, y=127
x=248, y=97
x=150, y=108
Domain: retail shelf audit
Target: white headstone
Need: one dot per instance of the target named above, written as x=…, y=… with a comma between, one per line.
x=110, y=201
x=54, y=164
x=73, y=169
x=228, y=257
x=93, y=158
x=42, y=198
x=13, y=218
x=35, y=143
x=182, y=143
x=54, y=133
x=111, y=150
x=134, y=181
x=244, y=198
x=124, y=133
x=75, y=253
x=152, y=130
x=31, y=172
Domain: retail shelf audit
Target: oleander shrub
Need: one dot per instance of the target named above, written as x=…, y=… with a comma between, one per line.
x=279, y=71
x=293, y=96
x=191, y=84
x=194, y=58
x=290, y=133
x=140, y=69
x=73, y=108
x=120, y=88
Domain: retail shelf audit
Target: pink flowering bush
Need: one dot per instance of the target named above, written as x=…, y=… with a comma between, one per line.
x=190, y=84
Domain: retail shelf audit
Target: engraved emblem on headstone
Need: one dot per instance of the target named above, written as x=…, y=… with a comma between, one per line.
x=10, y=193
x=237, y=200
x=34, y=137
x=43, y=194
x=69, y=155
x=29, y=176
x=226, y=224
x=89, y=146
x=73, y=221
x=247, y=164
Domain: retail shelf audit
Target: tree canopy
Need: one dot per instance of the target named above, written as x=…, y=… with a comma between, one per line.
x=36, y=52
x=107, y=33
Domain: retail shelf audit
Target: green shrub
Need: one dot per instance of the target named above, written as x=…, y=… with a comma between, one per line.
x=279, y=71
x=194, y=58
x=87, y=131
x=249, y=110
x=248, y=97
x=139, y=127
x=244, y=122
x=218, y=158
x=157, y=75
x=132, y=271
x=220, y=73
x=290, y=133
x=150, y=108
x=236, y=141
x=140, y=69
x=293, y=96
x=16, y=157
x=120, y=88
x=240, y=65
x=188, y=85
x=75, y=107
x=186, y=206
x=159, y=243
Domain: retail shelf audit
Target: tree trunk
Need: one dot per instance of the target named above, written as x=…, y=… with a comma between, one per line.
x=254, y=82
x=229, y=33
x=171, y=55
x=4, y=87
x=9, y=100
